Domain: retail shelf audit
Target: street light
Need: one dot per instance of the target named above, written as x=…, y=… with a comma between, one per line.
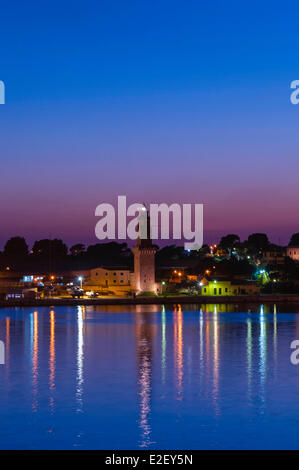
x=80, y=279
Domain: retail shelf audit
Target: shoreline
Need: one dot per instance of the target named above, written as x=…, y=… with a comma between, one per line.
x=198, y=299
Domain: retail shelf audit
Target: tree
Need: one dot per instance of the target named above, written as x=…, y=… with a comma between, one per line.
x=77, y=249
x=228, y=242
x=233, y=267
x=258, y=241
x=170, y=252
x=16, y=247
x=294, y=240
x=104, y=253
x=45, y=248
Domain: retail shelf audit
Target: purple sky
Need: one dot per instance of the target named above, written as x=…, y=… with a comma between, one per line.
x=164, y=103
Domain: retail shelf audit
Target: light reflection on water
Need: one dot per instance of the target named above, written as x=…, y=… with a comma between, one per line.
x=34, y=356
x=80, y=357
x=178, y=350
x=150, y=377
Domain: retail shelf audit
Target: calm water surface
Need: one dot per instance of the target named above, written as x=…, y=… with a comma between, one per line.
x=149, y=377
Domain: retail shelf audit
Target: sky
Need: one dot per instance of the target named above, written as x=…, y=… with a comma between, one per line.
x=161, y=101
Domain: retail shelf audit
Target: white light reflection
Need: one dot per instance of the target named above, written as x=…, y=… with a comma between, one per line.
x=80, y=358
x=201, y=348
x=216, y=360
x=145, y=393
x=34, y=357
x=249, y=355
x=263, y=351
x=52, y=359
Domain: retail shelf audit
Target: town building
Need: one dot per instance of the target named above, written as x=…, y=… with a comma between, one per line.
x=224, y=287
x=274, y=256
x=121, y=281
x=293, y=252
x=110, y=276
x=117, y=280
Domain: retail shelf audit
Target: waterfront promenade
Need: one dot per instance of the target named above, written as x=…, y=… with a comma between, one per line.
x=191, y=299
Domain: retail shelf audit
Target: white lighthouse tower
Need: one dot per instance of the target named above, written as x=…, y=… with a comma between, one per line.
x=144, y=263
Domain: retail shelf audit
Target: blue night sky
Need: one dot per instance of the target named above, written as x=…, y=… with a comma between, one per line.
x=161, y=101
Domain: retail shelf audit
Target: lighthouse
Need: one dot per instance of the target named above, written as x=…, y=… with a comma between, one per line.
x=144, y=259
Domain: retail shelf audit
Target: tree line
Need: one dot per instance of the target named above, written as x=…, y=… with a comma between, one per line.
x=50, y=254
